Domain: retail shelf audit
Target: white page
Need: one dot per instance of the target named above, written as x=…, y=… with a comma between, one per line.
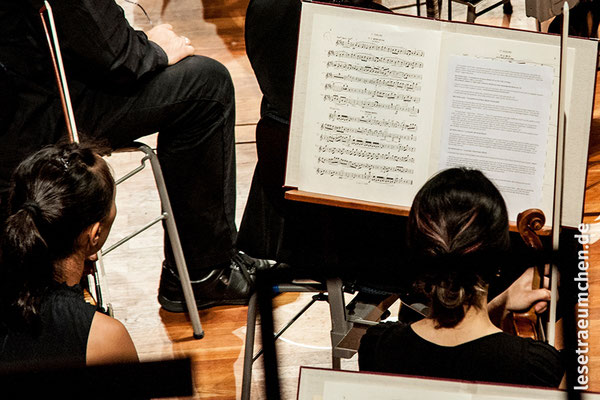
x=536, y=49
x=486, y=43
x=456, y=39
x=368, y=136
x=319, y=384
x=496, y=119
x=358, y=391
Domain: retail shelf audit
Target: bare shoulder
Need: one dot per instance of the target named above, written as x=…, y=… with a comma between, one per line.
x=109, y=342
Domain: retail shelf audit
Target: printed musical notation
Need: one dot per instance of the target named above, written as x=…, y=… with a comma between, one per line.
x=387, y=94
x=408, y=86
x=368, y=103
x=364, y=177
x=349, y=43
x=373, y=70
x=370, y=155
x=373, y=120
x=367, y=165
x=367, y=130
x=381, y=133
x=371, y=58
x=350, y=141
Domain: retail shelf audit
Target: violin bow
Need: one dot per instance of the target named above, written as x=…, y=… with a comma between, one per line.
x=65, y=98
x=59, y=71
x=558, y=176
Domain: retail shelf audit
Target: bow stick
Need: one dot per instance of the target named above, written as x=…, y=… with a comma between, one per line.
x=65, y=98
x=558, y=177
x=59, y=71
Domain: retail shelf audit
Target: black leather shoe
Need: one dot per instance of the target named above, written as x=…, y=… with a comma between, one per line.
x=230, y=286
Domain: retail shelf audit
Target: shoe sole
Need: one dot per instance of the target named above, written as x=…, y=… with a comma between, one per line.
x=181, y=306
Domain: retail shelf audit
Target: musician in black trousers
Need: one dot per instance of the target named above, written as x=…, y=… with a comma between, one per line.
x=126, y=84
x=316, y=241
x=364, y=248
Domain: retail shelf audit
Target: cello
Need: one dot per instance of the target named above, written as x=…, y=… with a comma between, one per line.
x=532, y=221
x=527, y=323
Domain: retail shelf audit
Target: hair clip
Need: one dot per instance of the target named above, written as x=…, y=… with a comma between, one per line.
x=64, y=162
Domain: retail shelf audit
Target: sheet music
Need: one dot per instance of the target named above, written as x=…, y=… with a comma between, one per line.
x=496, y=119
x=348, y=139
x=327, y=384
x=358, y=391
x=370, y=135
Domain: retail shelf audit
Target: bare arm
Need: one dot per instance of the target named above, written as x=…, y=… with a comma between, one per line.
x=518, y=297
x=109, y=342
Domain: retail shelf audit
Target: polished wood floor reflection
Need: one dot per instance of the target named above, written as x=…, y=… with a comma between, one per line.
x=216, y=29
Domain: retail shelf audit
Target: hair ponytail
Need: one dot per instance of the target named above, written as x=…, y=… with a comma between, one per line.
x=458, y=236
x=25, y=259
x=56, y=193
x=452, y=296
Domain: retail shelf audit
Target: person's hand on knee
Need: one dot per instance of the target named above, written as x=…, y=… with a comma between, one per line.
x=176, y=47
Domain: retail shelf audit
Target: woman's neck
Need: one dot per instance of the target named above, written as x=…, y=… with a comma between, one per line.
x=69, y=270
x=474, y=325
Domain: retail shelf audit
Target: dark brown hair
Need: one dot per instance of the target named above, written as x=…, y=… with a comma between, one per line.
x=55, y=194
x=458, y=233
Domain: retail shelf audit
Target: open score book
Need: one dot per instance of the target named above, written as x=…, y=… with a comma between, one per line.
x=384, y=101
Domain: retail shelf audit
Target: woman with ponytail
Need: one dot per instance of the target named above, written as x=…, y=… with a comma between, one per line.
x=61, y=208
x=458, y=237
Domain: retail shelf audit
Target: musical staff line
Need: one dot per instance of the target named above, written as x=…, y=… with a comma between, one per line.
x=369, y=155
x=351, y=101
x=365, y=131
x=408, y=86
x=367, y=177
x=357, y=44
x=373, y=70
x=348, y=140
x=369, y=166
x=339, y=87
x=398, y=62
x=373, y=120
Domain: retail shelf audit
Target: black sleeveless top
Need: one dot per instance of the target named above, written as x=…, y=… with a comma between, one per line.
x=499, y=357
x=65, y=326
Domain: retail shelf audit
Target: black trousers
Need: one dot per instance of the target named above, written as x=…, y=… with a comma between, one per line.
x=318, y=242
x=191, y=104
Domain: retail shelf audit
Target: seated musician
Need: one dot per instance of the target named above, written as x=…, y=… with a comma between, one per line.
x=61, y=209
x=317, y=241
x=458, y=234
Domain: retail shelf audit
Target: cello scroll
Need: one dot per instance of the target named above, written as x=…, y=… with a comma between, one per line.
x=526, y=324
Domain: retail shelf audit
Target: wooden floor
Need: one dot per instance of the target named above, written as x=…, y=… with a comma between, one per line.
x=216, y=29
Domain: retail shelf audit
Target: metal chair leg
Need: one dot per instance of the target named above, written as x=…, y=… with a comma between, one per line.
x=182, y=270
x=471, y=15
x=249, y=357
x=339, y=322
x=249, y=348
